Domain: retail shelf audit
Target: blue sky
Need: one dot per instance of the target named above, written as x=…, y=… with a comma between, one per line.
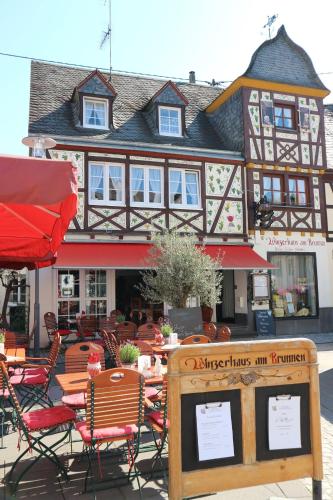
x=216, y=38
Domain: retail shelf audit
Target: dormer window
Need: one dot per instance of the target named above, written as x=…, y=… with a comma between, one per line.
x=95, y=113
x=170, y=121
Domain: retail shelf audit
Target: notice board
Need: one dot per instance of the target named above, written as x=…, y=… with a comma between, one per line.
x=265, y=323
x=270, y=388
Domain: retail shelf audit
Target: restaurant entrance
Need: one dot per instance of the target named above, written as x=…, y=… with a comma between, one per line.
x=129, y=300
x=225, y=311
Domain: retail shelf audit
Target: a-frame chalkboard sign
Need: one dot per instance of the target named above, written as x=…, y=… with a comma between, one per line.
x=243, y=414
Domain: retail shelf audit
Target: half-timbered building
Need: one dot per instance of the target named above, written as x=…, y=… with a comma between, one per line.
x=155, y=155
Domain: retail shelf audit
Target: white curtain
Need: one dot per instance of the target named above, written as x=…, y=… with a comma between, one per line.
x=96, y=182
x=191, y=188
x=137, y=184
x=154, y=186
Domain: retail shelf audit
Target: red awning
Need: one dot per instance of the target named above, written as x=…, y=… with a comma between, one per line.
x=38, y=199
x=135, y=256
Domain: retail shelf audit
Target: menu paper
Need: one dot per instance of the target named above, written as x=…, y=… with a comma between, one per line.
x=284, y=422
x=214, y=431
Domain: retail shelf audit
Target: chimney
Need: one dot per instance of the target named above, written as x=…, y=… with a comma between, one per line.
x=191, y=77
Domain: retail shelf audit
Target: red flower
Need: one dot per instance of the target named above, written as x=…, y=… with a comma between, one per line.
x=94, y=357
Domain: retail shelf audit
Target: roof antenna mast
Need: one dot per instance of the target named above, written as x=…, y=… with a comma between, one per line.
x=107, y=36
x=270, y=20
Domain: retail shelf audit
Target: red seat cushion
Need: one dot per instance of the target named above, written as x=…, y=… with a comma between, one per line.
x=75, y=400
x=48, y=417
x=29, y=379
x=150, y=392
x=4, y=393
x=106, y=432
x=157, y=417
x=64, y=332
x=29, y=371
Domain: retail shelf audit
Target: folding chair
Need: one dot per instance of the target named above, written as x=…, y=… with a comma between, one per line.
x=51, y=326
x=209, y=330
x=223, y=334
x=195, y=339
x=87, y=328
x=34, y=427
x=159, y=424
x=76, y=360
x=115, y=412
x=125, y=331
x=4, y=395
x=32, y=379
x=112, y=347
x=147, y=331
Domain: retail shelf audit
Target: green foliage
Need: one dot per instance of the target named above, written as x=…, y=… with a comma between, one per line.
x=178, y=270
x=166, y=330
x=129, y=353
x=120, y=318
x=2, y=336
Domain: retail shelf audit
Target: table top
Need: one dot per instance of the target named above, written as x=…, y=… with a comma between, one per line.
x=15, y=355
x=165, y=349
x=72, y=383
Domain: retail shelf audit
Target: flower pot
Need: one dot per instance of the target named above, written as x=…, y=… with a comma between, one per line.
x=94, y=369
x=186, y=321
x=131, y=366
x=207, y=313
x=2, y=348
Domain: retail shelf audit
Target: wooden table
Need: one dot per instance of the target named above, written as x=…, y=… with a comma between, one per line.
x=164, y=349
x=71, y=383
x=15, y=355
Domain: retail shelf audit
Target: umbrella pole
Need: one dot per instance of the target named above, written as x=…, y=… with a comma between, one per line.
x=36, y=314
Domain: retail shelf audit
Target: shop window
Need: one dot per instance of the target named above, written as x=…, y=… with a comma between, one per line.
x=146, y=186
x=184, y=188
x=95, y=293
x=298, y=191
x=68, y=295
x=294, y=285
x=273, y=189
x=106, y=184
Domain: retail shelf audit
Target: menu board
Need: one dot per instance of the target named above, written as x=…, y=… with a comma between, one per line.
x=265, y=323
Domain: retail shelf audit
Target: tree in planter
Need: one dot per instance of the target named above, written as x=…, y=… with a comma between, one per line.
x=178, y=270
x=10, y=281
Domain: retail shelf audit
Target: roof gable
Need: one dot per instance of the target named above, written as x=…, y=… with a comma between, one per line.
x=169, y=94
x=282, y=60
x=96, y=83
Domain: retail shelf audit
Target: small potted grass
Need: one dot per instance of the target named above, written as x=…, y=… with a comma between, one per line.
x=2, y=341
x=129, y=354
x=166, y=331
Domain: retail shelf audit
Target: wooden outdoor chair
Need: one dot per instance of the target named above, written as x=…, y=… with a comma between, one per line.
x=145, y=348
x=112, y=347
x=51, y=326
x=147, y=331
x=87, y=328
x=195, y=339
x=107, y=324
x=159, y=424
x=76, y=360
x=33, y=377
x=34, y=427
x=115, y=412
x=126, y=331
x=223, y=334
x=19, y=339
x=209, y=330
x=4, y=397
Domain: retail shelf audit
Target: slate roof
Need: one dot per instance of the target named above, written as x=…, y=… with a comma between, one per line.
x=329, y=134
x=282, y=60
x=51, y=110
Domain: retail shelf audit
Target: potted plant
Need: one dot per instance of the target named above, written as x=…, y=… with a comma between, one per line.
x=129, y=354
x=210, y=296
x=179, y=269
x=166, y=331
x=2, y=341
x=120, y=318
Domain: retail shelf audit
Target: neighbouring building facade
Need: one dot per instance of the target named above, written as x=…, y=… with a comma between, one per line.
x=155, y=155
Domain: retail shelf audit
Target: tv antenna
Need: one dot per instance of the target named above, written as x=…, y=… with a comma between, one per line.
x=270, y=21
x=107, y=36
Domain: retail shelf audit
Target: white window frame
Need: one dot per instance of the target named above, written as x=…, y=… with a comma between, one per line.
x=185, y=205
x=171, y=108
x=146, y=202
x=105, y=200
x=96, y=100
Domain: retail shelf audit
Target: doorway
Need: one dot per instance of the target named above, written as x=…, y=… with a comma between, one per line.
x=225, y=312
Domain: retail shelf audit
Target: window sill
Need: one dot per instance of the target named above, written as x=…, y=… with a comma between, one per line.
x=185, y=207
x=105, y=204
x=146, y=205
x=95, y=127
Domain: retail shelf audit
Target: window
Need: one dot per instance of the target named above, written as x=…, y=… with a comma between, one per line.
x=106, y=184
x=294, y=287
x=68, y=295
x=95, y=113
x=95, y=293
x=146, y=186
x=184, y=188
x=273, y=189
x=170, y=121
x=298, y=191
x=284, y=116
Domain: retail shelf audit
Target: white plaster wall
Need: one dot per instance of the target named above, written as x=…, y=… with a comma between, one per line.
x=296, y=243
x=240, y=292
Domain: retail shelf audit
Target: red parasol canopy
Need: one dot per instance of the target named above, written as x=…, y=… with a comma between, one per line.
x=38, y=199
